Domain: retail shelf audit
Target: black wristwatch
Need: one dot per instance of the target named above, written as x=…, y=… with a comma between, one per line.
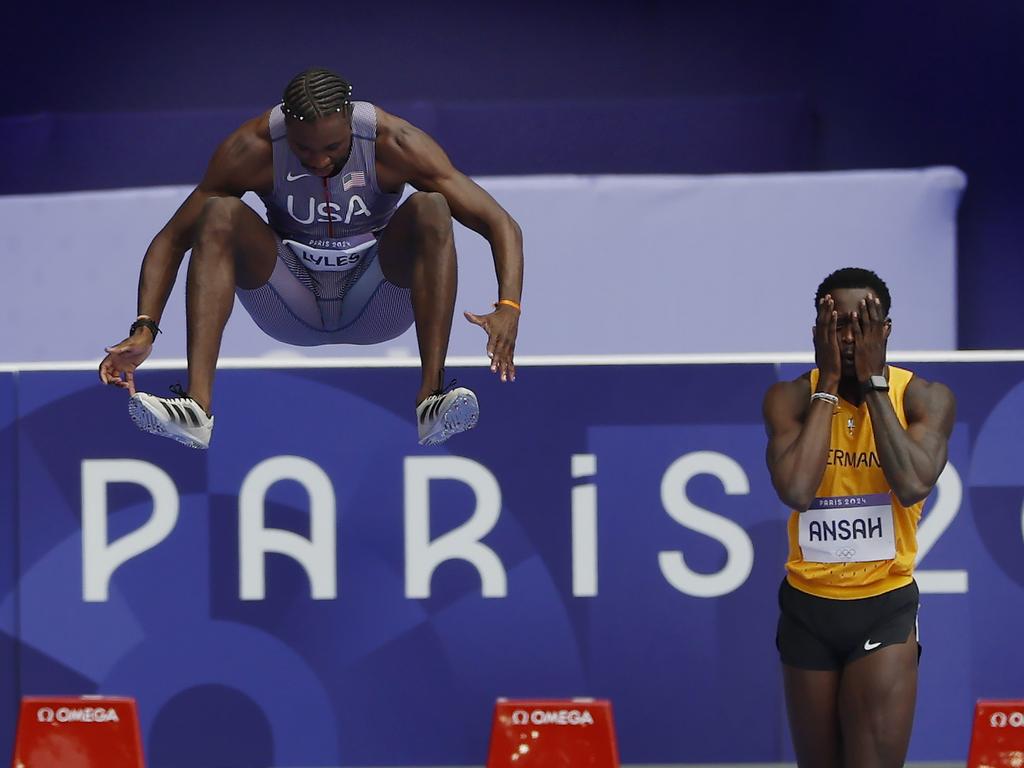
x=876, y=383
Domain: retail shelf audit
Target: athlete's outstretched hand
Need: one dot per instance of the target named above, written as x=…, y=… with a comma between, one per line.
x=122, y=360
x=502, y=326
x=826, y=345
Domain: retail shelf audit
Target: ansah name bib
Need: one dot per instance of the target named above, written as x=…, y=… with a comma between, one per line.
x=848, y=529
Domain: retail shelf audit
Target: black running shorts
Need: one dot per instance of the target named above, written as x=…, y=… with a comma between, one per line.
x=821, y=633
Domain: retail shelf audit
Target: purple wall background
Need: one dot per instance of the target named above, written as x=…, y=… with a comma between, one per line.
x=100, y=98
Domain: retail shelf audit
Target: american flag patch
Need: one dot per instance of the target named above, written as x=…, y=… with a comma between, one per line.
x=353, y=179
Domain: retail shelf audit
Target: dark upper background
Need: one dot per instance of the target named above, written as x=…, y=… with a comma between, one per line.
x=102, y=97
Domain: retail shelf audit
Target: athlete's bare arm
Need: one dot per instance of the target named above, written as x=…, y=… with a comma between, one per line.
x=912, y=458
x=799, y=429
x=407, y=155
x=243, y=162
x=798, y=438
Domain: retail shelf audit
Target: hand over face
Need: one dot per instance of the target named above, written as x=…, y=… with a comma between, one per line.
x=826, y=342
x=870, y=332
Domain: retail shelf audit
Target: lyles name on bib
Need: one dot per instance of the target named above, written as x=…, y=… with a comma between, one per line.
x=337, y=255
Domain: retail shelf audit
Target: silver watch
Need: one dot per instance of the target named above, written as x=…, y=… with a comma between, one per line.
x=876, y=383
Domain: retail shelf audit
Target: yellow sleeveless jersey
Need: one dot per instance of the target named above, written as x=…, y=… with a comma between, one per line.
x=833, y=549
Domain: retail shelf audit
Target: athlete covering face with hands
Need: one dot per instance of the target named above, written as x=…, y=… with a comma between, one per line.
x=854, y=448
x=341, y=258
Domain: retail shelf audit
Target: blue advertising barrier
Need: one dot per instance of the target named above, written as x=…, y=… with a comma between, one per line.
x=9, y=681
x=317, y=589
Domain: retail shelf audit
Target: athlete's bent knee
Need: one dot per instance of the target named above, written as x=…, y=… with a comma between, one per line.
x=217, y=221
x=433, y=214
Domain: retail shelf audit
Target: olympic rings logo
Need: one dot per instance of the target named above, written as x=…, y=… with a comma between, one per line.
x=1003, y=720
x=847, y=553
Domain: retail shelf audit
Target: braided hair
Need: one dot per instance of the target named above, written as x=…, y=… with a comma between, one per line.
x=315, y=93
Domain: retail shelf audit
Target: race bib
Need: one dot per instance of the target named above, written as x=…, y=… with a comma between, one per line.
x=848, y=529
x=332, y=255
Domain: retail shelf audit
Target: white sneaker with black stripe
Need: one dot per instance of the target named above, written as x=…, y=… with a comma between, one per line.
x=180, y=418
x=444, y=414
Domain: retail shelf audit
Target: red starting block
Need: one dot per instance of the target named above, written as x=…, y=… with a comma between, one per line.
x=997, y=740
x=555, y=733
x=78, y=732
